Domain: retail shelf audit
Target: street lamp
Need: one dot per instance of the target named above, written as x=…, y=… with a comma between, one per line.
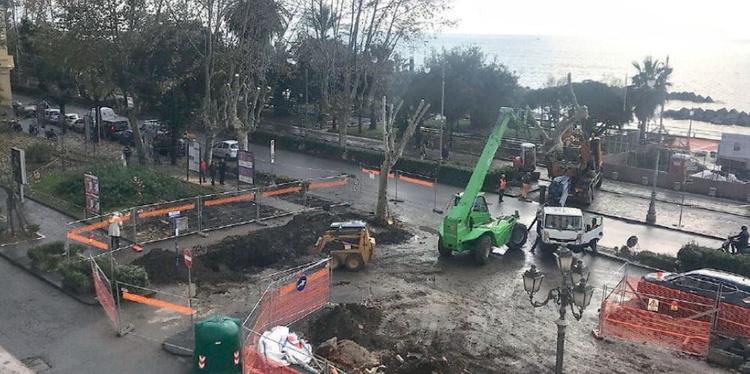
x=574, y=291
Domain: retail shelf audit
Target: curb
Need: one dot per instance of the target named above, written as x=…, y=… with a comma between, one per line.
x=42, y=277
x=675, y=203
x=670, y=228
x=604, y=252
x=56, y=209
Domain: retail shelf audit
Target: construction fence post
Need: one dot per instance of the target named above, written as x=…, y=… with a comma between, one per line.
x=305, y=184
x=258, y=193
x=199, y=203
x=134, y=217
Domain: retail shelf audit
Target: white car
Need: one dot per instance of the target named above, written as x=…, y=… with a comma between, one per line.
x=227, y=149
x=71, y=118
x=52, y=115
x=567, y=226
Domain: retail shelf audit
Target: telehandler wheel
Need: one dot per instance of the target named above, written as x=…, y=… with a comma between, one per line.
x=444, y=252
x=518, y=236
x=354, y=262
x=482, y=250
x=335, y=262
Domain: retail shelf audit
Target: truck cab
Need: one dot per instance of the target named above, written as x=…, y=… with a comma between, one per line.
x=570, y=227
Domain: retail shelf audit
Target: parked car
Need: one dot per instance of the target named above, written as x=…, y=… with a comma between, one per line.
x=29, y=111
x=113, y=129
x=51, y=115
x=126, y=138
x=70, y=118
x=227, y=149
x=735, y=289
x=163, y=142
x=150, y=126
x=78, y=125
x=17, y=107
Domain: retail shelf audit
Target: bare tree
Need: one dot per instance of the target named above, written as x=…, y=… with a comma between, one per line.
x=392, y=150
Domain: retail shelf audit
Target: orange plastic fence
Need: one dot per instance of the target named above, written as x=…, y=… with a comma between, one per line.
x=90, y=241
x=733, y=320
x=281, y=306
x=282, y=191
x=329, y=184
x=157, y=303
x=625, y=322
x=418, y=181
x=254, y=363
x=164, y=211
x=104, y=295
x=232, y=199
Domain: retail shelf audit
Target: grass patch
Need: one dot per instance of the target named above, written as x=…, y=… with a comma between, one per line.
x=119, y=187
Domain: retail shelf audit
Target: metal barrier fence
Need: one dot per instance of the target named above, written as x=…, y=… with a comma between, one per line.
x=155, y=222
x=291, y=295
x=648, y=312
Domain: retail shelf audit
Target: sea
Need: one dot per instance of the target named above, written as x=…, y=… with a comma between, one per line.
x=709, y=67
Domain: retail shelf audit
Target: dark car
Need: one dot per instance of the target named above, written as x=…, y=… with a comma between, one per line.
x=113, y=130
x=735, y=289
x=126, y=138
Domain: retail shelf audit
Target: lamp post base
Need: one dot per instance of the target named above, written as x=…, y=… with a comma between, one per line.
x=561, y=325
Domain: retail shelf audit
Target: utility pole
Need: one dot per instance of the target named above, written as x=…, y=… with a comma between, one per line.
x=442, y=108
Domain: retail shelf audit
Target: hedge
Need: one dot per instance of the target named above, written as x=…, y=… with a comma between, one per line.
x=445, y=173
x=47, y=257
x=648, y=258
x=692, y=256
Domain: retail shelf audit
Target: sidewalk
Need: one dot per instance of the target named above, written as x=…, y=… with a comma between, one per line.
x=53, y=227
x=11, y=365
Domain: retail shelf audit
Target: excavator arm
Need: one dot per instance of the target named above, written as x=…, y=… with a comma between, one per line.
x=456, y=223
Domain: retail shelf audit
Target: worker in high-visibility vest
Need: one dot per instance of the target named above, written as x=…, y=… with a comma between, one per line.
x=501, y=185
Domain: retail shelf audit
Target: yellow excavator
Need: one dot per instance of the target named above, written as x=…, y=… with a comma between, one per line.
x=348, y=243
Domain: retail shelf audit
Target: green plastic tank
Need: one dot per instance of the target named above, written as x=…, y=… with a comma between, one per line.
x=218, y=346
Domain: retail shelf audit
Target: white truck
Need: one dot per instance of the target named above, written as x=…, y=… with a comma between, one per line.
x=567, y=226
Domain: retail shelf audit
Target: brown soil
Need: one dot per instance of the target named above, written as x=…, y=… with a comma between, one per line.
x=232, y=257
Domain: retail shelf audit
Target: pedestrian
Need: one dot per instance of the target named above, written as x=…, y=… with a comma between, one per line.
x=501, y=185
x=203, y=168
x=115, y=224
x=525, y=178
x=126, y=153
x=212, y=172
x=422, y=151
x=222, y=171
x=445, y=153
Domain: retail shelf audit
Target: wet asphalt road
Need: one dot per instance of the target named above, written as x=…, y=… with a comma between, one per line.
x=418, y=202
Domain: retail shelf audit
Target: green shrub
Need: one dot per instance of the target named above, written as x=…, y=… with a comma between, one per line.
x=657, y=260
x=75, y=277
x=132, y=274
x=39, y=153
x=47, y=256
x=692, y=256
x=119, y=187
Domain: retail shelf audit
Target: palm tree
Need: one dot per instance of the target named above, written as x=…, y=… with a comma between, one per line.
x=649, y=92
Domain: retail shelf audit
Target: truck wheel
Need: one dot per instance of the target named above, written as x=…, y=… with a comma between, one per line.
x=335, y=262
x=518, y=236
x=354, y=262
x=593, y=244
x=482, y=250
x=444, y=252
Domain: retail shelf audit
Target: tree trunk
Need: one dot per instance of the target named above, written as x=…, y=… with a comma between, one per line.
x=209, y=146
x=381, y=209
x=137, y=139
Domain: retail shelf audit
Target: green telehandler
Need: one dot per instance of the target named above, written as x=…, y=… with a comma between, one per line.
x=468, y=225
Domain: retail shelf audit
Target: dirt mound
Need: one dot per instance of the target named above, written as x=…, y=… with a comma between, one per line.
x=390, y=234
x=288, y=244
x=165, y=267
x=350, y=322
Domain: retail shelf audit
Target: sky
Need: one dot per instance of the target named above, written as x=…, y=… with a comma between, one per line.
x=726, y=19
